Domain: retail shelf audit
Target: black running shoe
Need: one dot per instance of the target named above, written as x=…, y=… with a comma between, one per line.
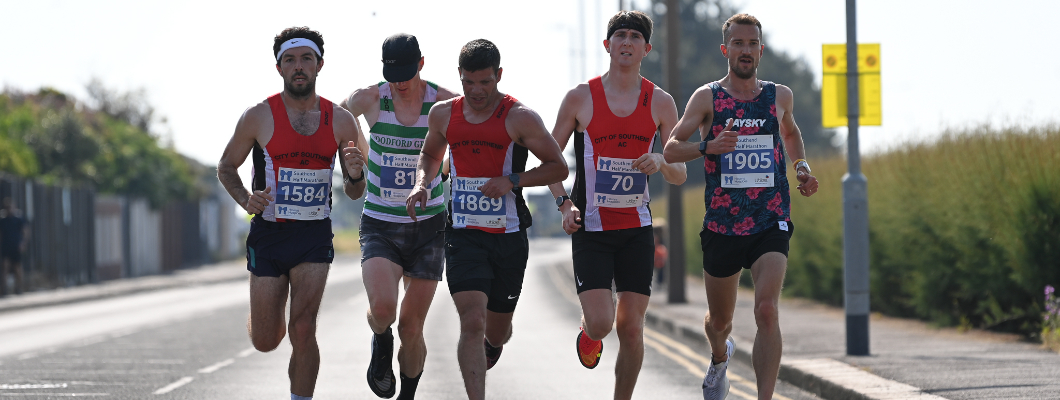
x=492, y=353
x=381, y=370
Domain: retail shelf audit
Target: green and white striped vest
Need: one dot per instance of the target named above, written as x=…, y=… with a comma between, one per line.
x=394, y=151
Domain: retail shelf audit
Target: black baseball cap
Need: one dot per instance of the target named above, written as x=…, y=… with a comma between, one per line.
x=401, y=57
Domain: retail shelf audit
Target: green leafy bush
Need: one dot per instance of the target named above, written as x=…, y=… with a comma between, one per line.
x=964, y=231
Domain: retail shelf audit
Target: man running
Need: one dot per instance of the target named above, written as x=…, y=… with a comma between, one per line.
x=746, y=124
x=488, y=133
x=294, y=136
x=615, y=117
x=393, y=246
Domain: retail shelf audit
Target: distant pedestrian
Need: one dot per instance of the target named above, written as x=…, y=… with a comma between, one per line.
x=662, y=255
x=746, y=124
x=14, y=236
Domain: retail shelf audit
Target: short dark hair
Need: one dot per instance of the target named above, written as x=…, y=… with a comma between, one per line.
x=634, y=20
x=742, y=19
x=294, y=32
x=480, y=54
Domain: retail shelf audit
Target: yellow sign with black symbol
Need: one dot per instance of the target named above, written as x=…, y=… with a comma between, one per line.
x=834, y=85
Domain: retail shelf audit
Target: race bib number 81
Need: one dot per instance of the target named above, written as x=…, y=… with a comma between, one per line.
x=472, y=208
x=750, y=165
x=302, y=193
x=618, y=185
x=397, y=175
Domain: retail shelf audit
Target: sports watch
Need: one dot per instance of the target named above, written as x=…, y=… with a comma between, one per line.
x=560, y=200
x=515, y=180
x=703, y=147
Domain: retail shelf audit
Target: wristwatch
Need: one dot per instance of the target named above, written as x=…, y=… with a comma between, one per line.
x=560, y=200
x=350, y=180
x=515, y=180
x=802, y=163
x=703, y=147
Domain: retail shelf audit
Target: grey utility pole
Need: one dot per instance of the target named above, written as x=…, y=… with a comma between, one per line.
x=855, y=211
x=675, y=269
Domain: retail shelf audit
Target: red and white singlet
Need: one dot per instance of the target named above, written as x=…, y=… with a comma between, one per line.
x=610, y=193
x=297, y=168
x=477, y=153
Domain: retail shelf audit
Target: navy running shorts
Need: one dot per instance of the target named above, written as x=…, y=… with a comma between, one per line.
x=418, y=247
x=626, y=256
x=725, y=255
x=274, y=248
x=491, y=263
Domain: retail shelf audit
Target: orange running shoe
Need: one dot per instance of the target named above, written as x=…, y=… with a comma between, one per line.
x=589, y=350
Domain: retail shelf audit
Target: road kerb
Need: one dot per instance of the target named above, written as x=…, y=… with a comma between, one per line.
x=830, y=379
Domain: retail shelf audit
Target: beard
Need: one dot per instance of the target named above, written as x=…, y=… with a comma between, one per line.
x=743, y=73
x=305, y=91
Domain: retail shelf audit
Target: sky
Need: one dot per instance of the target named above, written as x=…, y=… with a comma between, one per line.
x=202, y=63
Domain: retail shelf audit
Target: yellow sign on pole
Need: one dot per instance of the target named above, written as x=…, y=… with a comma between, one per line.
x=834, y=85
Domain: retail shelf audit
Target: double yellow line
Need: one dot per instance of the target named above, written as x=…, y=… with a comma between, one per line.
x=672, y=349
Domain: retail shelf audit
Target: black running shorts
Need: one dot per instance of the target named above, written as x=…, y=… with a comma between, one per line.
x=418, y=247
x=491, y=263
x=274, y=248
x=725, y=255
x=626, y=256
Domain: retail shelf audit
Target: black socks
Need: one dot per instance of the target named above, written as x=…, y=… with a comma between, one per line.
x=408, y=387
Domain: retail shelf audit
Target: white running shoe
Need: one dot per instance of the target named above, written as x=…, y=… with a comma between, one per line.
x=716, y=383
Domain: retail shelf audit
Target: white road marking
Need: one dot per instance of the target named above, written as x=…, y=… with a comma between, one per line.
x=247, y=352
x=55, y=394
x=213, y=368
x=691, y=354
x=33, y=386
x=693, y=368
x=173, y=386
x=27, y=355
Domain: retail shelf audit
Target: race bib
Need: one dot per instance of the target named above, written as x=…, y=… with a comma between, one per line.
x=750, y=165
x=472, y=208
x=617, y=184
x=397, y=175
x=302, y=193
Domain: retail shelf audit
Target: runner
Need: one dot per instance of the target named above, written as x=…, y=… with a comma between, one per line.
x=746, y=125
x=486, y=250
x=294, y=136
x=393, y=247
x=615, y=242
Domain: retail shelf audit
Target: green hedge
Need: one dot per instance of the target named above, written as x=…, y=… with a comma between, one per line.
x=965, y=231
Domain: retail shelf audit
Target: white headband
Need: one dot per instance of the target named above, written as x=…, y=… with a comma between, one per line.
x=297, y=42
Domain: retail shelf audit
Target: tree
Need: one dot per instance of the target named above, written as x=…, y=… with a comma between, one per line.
x=50, y=136
x=701, y=62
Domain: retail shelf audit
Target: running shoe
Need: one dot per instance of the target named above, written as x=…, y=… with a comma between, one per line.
x=589, y=350
x=381, y=369
x=716, y=383
x=492, y=353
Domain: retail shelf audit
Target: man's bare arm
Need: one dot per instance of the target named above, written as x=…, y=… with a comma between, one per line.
x=236, y=152
x=566, y=123
x=792, y=137
x=431, y=155
x=352, y=162
x=530, y=132
x=663, y=105
x=700, y=108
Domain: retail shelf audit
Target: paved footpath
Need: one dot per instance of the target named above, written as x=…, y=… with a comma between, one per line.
x=910, y=360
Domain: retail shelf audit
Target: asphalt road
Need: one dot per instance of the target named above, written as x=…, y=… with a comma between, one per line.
x=191, y=343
